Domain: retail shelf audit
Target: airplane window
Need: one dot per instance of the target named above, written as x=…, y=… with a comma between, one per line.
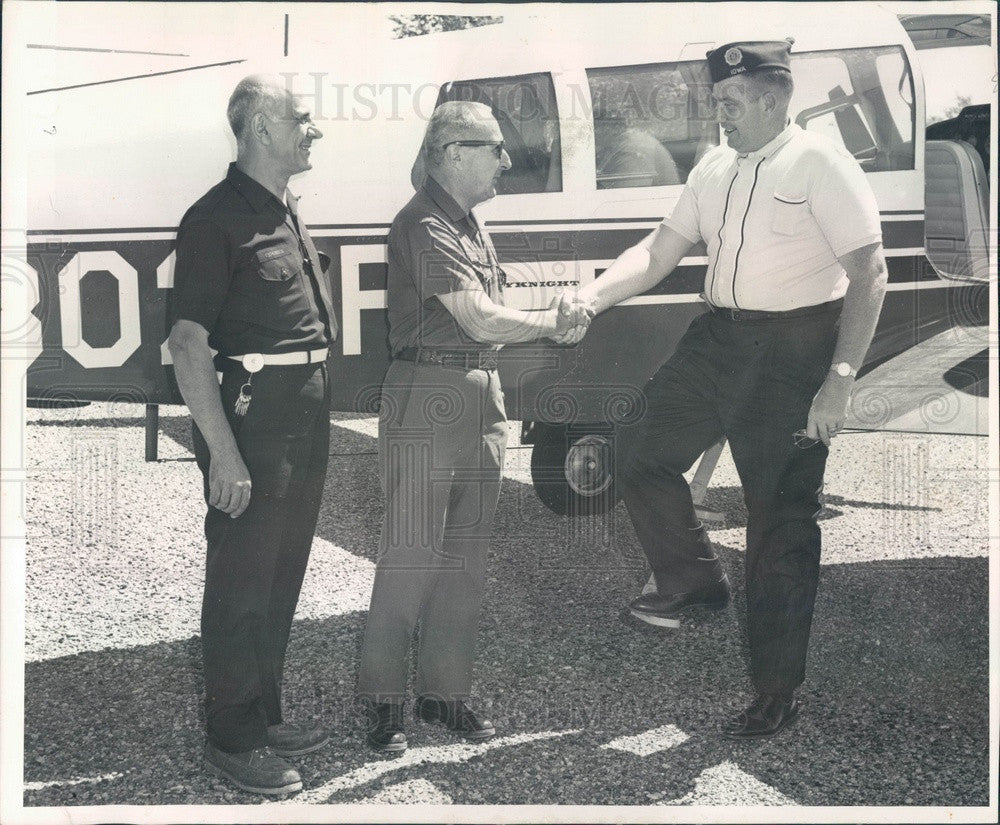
x=525, y=108
x=897, y=83
x=651, y=123
x=821, y=80
x=862, y=98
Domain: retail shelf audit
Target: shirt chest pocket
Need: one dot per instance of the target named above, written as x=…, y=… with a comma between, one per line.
x=269, y=273
x=479, y=263
x=267, y=289
x=277, y=265
x=790, y=213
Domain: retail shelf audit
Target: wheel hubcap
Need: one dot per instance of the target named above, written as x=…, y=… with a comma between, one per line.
x=588, y=466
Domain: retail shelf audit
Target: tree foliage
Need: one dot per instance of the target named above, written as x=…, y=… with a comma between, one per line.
x=961, y=101
x=412, y=25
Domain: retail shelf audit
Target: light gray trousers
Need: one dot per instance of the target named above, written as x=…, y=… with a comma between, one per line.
x=442, y=435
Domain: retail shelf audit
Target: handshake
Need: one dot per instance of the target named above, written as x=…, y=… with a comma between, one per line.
x=573, y=316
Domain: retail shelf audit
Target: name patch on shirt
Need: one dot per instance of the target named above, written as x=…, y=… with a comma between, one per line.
x=271, y=254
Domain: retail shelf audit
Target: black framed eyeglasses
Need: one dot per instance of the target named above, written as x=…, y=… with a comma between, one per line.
x=497, y=145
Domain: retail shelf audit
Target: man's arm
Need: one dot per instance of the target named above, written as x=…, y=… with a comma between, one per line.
x=866, y=271
x=637, y=269
x=491, y=323
x=229, y=479
x=441, y=269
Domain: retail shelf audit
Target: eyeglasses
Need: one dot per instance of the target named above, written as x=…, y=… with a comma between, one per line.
x=302, y=120
x=497, y=145
x=803, y=441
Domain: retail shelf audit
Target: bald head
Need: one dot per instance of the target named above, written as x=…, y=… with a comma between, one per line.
x=256, y=93
x=274, y=131
x=458, y=120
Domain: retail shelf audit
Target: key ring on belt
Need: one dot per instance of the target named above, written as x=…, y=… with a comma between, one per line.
x=253, y=363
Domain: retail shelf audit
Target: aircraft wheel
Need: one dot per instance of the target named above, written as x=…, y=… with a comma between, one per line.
x=574, y=474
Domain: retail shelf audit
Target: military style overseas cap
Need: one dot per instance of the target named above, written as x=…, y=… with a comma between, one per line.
x=751, y=56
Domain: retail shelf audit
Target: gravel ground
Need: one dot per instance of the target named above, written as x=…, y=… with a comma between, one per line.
x=896, y=700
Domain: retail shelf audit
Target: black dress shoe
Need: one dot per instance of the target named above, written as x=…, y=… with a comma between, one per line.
x=769, y=714
x=384, y=726
x=287, y=740
x=456, y=716
x=258, y=771
x=664, y=610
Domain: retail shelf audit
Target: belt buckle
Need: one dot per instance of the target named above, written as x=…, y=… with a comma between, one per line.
x=253, y=362
x=487, y=360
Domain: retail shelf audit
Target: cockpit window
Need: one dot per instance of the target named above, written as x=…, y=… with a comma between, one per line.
x=862, y=98
x=525, y=108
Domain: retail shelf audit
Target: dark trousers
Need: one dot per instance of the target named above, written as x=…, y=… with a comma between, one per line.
x=752, y=382
x=442, y=435
x=256, y=562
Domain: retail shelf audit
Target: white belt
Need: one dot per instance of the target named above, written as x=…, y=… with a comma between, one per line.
x=255, y=361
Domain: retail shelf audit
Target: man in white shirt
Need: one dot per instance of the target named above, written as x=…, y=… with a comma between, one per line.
x=795, y=282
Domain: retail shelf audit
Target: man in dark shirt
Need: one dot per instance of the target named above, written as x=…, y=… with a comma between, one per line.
x=248, y=284
x=442, y=430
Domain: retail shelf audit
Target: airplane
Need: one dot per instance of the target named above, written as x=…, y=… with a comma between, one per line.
x=603, y=123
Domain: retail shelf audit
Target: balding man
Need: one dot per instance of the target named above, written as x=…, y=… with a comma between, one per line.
x=442, y=431
x=248, y=284
x=794, y=286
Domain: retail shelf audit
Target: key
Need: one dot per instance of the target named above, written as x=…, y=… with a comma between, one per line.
x=243, y=400
x=252, y=362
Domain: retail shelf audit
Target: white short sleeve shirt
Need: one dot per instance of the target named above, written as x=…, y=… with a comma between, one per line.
x=775, y=221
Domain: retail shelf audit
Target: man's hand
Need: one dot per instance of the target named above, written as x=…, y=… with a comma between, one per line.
x=571, y=312
x=866, y=272
x=228, y=477
x=229, y=484
x=829, y=408
x=573, y=336
x=572, y=318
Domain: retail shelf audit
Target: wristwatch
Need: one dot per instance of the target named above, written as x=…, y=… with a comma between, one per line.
x=843, y=369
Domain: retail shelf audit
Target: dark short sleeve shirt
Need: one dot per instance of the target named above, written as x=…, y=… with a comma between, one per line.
x=436, y=248
x=249, y=273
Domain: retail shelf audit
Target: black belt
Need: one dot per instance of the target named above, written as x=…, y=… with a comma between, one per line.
x=766, y=315
x=482, y=359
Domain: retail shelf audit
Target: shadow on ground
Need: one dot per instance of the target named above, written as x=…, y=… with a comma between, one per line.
x=896, y=698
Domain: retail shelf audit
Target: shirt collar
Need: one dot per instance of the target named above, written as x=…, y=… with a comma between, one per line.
x=445, y=201
x=258, y=196
x=774, y=145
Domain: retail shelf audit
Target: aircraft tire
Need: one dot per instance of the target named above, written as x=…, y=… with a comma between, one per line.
x=573, y=470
